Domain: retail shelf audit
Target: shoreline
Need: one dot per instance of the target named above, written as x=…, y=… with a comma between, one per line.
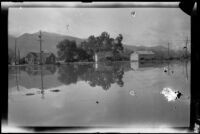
x=70, y=63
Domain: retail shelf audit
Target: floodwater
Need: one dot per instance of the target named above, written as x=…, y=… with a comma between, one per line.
x=128, y=94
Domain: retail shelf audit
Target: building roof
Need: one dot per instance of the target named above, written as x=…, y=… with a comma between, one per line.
x=144, y=52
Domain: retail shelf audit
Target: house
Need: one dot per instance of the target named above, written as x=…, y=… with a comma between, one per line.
x=34, y=58
x=142, y=55
x=102, y=56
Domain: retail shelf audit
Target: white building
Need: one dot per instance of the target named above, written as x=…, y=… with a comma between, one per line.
x=142, y=55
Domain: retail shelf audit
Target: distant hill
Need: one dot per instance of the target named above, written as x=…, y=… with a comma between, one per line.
x=29, y=42
x=140, y=48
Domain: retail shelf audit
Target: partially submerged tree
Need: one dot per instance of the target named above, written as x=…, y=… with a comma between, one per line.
x=69, y=52
x=103, y=43
x=66, y=50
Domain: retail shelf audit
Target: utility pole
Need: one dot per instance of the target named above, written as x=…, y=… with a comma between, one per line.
x=40, y=39
x=17, y=81
x=42, y=84
x=15, y=50
x=18, y=56
x=186, y=47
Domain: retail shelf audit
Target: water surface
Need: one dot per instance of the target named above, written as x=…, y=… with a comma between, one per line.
x=104, y=94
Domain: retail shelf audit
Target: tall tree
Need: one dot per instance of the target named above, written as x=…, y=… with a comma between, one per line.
x=103, y=43
x=117, y=47
x=118, y=44
x=66, y=50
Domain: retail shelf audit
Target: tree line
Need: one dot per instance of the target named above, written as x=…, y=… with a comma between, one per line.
x=70, y=52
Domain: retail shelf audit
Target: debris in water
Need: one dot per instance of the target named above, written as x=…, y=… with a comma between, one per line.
x=165, y=69
x=170, y=94
x=132, y=92
x=97, y=102
x=55, y=90
x=29, y=94
x=133, y=13
x=179, y=94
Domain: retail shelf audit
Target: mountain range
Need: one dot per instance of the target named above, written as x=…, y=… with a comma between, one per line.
x=30, y=43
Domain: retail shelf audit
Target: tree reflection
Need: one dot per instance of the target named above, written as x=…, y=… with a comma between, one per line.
x=69, y=74
x=101, y=74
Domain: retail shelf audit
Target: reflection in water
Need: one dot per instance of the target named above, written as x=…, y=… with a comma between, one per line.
x=31, y=70
x=150, y=64
x=37, y=69
x=17, y=79
x=186, y=69
x=29, y=94
x=55, y=90
x=68, y=74
x=42, y=85
x=169, y=69
x=103, y=74
x=71, y=101
x=41, y=70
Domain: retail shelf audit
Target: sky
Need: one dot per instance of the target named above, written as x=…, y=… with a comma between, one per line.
x=148, y=27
